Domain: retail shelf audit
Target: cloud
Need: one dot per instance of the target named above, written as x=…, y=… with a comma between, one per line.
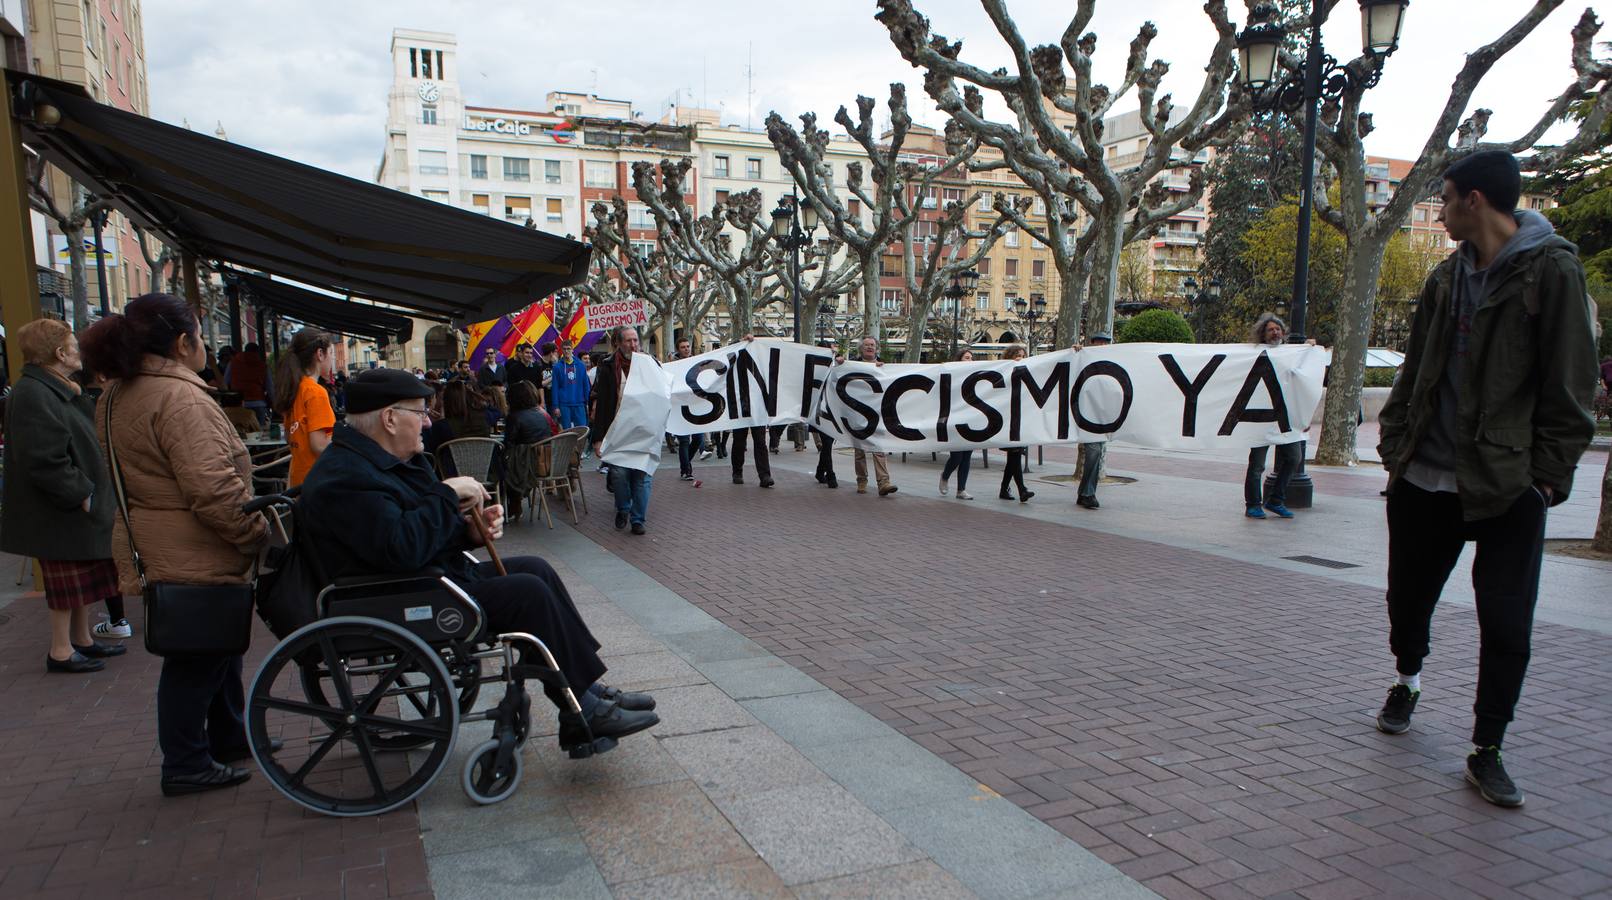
x=309, y=80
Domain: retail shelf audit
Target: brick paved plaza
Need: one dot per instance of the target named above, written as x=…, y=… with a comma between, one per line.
x=1185, y=710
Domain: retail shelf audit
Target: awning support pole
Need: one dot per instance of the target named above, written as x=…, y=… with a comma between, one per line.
x=19, y=285
x=232, y=289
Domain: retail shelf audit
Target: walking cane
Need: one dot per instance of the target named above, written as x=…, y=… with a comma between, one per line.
x=487, y=539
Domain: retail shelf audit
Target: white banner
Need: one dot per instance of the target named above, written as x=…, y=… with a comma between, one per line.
x=605, y=316
x=1167, y=396
x=638, y=431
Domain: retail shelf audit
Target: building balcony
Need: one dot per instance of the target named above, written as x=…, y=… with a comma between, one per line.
x=1179, y=238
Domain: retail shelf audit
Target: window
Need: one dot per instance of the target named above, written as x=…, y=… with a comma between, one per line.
x=752, y=168
x=1038, y=268
x=478, y=166
x=599, y=175
x=889, y=266
x=442, y=70
x=929, y=199
x=1011, y=239
x=517, y=209
x=433, y=162
x=1038, y=207
x=428, y=114
x=481, y=203
x=986, y=201
x=984, y=266
x=551, y=171
x=1010, y=268
x=951, y=195
x=638, y=216
x=554, y=207
x=425, y=64
x=722, y=196
x=517, y=169
x=438, y=196
x=642, y=249
x=890, y=300
x=719, y=167
x=982, y=301
x=855, y=208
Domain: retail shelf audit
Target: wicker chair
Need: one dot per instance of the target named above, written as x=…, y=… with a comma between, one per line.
x=554, y=456
x=473, y=456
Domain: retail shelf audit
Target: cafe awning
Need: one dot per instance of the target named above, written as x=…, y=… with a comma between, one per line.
x=322, y=310
x=234, y=205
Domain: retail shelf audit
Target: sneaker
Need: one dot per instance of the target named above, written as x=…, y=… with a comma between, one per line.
x=1255, y=512
x=964, y=495
x=687, y=476
x=943, y=487
x=621, y=519
x=603, y=469
x=705, y=454
x=1281, y=511
x=1484, y=772
x=109, y=629
x=1396, y=714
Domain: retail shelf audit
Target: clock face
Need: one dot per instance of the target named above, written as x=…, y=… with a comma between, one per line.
x=429, y=92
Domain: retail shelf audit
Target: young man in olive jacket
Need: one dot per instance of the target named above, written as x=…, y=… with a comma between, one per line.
x=1480, y=437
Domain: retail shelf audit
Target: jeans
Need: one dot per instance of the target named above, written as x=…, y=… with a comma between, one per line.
x=758, y=441
x=573, y=415
x=1288, y=458
x=1425, y=536
x=631, y=487
x=957, y=461
x=201, y=709
x=1094, y=469
x=687, y=448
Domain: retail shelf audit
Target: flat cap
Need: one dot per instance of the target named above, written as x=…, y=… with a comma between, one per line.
x=374, y=389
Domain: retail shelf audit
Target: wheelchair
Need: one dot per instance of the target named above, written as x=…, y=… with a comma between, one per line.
x=357, y=712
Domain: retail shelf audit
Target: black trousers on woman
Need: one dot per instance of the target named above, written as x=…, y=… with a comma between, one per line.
x=201, y=708
x=1013, y=472
x=533, y=599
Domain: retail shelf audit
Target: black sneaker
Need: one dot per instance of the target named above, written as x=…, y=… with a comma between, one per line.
x=1484, y=771
x=1396, y=715
x=621, y=519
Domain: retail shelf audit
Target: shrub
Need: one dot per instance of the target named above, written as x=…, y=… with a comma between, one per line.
x=1160, y=326
x=1379, y=376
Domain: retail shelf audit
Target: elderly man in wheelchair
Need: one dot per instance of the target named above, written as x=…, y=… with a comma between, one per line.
x=385, y=533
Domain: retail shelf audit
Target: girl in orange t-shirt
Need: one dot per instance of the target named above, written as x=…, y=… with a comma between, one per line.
x=302, y=403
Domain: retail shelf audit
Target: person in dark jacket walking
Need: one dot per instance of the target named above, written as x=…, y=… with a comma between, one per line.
x=631, y=487
x=58, y=496
x=373, y=505
x=1480, y=437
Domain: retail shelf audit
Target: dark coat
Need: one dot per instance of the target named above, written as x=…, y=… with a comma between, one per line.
x=52, y=463
x=527, y=426
x=367, y=512
x=606, y=397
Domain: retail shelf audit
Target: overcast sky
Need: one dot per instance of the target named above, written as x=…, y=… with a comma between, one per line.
x=308, y=80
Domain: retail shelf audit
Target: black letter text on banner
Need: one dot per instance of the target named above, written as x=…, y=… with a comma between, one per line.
x=1262, y=372
x=1190, y=389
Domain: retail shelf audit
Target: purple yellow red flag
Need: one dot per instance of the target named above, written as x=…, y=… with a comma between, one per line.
x=530, y=325
x=483, y=335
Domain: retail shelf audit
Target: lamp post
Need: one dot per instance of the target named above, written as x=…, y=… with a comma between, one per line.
x=1200, y=299
x=962, y=285
x=1258, y=48
x=1029, y=313
x=792, y=228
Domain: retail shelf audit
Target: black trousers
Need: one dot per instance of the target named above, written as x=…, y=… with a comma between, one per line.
x=758, y=440
x=201, y=709
x=775, y=434
x=958, y=461
x=1013, y=471
x=825, y=458
x=1425, y=536
x=533, y=599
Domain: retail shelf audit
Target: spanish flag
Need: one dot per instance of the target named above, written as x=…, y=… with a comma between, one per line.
x=577, y=328
x=530, y=326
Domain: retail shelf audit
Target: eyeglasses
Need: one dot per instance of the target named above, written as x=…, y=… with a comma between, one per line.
x=424, y=414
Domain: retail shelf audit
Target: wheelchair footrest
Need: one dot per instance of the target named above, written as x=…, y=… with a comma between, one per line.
x=591, y=748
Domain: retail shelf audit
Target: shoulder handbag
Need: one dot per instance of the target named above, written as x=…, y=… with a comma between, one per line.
x=183, y=619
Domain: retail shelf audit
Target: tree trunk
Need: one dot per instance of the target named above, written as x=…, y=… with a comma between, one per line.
x=870, y=297
x=917, y=317
x=1603, y=526
x=1105, y=269
x=668, y=335
x=1348, y=374
x=1071, y=303
x=77, y=276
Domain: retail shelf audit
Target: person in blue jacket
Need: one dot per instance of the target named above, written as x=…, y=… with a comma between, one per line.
x=571, y=388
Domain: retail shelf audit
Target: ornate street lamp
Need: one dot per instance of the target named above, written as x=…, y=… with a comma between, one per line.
x=1029, y=313
x=1200, y=301
x=792, y=227
x=962, y=285
x=1258, y=48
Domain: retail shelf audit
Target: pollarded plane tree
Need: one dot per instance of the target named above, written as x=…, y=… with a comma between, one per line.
x=1340, y=139
x=867, y=231
x=656, y=277
x=1068, y=165
x=827, y=271
x=703, y=241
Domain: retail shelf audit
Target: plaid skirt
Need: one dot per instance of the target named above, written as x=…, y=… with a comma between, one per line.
x=72, y=583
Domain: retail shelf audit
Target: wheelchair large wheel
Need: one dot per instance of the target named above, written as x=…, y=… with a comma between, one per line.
x=315, y=677
x=387, y=686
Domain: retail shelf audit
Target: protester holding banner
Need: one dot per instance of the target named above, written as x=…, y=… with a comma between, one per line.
x=1271, y=331
x=1092, y=452
x=1013, y=470
x=687, y=445
x=881, y=461
x=958, y=460
x=630, y=486
x=758, y=440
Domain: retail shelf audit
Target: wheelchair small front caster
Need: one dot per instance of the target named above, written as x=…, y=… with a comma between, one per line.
x=484, y=782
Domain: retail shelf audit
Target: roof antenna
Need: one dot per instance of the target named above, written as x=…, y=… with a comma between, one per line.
x=750, y=84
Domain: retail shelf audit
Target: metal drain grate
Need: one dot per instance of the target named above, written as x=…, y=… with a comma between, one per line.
x=1323, y=562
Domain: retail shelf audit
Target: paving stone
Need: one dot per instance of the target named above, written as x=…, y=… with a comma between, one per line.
x=754, y=677
x=636, y=761
x=892, y=772
x=738, y=881
x=555, y=867
x=655, y=830
x=914, y=881
x=697, y=708
x=650, y=671
x=813, y=832
x=741, y=761
x=822, y=717
x=710, y=644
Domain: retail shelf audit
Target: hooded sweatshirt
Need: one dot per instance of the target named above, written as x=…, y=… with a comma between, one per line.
x=1433, y=467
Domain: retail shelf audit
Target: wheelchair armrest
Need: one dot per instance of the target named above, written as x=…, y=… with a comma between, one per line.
x=384, y=577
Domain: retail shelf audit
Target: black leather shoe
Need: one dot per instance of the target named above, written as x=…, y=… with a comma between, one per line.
x=767, y=483
x=1025, y=497
x=219, y=776
x=637, y=528
x=630, y=700
x=96, y=649
x=1087, y=502
x=1005, y=495
x=738, y=479
x=833, y=482
x=609, y=720
x=621, y=520
x=236, y=754
x=78, y=662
